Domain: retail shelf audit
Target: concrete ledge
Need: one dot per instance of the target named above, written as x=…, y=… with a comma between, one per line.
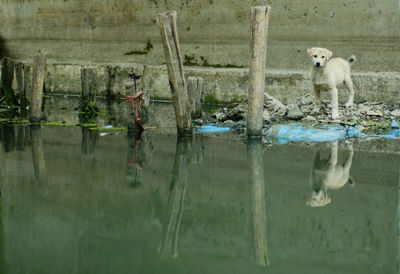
x=222, y=85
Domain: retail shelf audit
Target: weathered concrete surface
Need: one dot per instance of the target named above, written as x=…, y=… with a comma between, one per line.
x=221, y=85
x=212, y=33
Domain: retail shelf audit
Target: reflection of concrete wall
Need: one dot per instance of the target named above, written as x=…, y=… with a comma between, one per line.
x=89, y=218
x=211, y=32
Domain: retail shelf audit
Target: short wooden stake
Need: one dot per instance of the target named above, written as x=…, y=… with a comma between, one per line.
x=7, y=76
x=258, y=48
x=257, y=200
x=196, y=96
x=39, y=69
x=19, y=76
x=28, y=80
x=89, y=91
x=173, y=58
x=137, y=99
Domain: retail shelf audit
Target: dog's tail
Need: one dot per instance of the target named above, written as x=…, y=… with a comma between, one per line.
x=351, y=60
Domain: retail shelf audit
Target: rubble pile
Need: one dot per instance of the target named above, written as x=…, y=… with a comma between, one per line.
x=366, y=115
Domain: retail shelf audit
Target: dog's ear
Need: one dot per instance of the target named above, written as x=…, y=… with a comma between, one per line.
x=310, y=51
x=328, y=54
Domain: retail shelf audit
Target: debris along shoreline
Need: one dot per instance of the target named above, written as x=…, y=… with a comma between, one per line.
x=367, y=118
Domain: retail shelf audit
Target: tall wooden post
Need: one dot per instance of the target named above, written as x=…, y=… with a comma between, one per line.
x=39, y=69
x=258, y=48
x=257, y=200
x=173, y=58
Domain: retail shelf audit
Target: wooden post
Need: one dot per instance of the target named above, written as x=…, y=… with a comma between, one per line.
x=196, y=96
x=112, y=72
x=28, y=80
x=173, y=58
x=7, y=76
x=257, y=197
x=39, y=69
x=258, y=48
x=19, y=76
x=169, y=244
x=89, y=91
x=137, y=99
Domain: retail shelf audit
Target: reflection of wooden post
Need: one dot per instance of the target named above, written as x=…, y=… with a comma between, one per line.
x=197, y=149
x=20, y=145
x=89, y=136
x=196, y=96
x=176, y=198
x=8, y=137
x=135, y=158
x=258, y=48
x=39, y=165
x=257, y=191
x=39, y=69
x=173, y=58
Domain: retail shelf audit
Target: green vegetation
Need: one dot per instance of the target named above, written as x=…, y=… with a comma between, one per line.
x=149, y=46
x=191, y=60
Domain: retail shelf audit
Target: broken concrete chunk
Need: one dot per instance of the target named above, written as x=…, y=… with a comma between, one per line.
x=294, y=112
x=373, y=112
x=266, y=116
x=395, y=112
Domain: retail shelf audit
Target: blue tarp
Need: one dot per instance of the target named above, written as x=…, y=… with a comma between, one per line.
x=211, y=128
x=327, y=133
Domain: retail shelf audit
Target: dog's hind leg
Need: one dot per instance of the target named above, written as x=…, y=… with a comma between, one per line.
x=350, y=91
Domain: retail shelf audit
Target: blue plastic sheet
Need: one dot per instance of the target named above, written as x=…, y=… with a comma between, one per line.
x=211, y=128
x=297, y=132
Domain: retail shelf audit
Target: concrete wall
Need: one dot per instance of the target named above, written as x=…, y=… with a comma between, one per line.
x=212, y=33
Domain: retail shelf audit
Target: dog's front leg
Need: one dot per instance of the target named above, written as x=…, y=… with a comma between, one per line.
x=317, y=99
x=335, y=104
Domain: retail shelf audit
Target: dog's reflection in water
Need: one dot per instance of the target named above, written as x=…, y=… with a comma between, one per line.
x=327, y=173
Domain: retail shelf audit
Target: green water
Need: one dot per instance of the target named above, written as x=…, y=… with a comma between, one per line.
x=80, y=201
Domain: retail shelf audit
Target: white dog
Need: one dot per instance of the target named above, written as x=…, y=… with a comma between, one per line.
x=328, y=174
x=328, y=73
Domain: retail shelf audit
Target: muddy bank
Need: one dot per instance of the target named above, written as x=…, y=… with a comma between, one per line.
x=369, y=117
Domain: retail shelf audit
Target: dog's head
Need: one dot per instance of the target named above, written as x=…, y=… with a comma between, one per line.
x=319, y=56
x=318, y=199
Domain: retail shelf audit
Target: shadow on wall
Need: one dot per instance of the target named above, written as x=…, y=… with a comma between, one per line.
x=3, y=50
